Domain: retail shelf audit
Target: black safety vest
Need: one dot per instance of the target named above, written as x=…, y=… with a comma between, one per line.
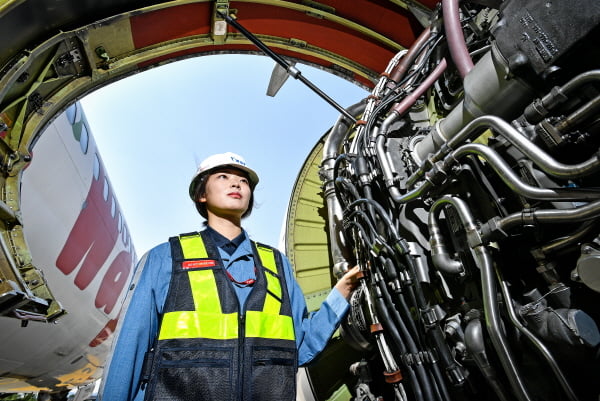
x=209, y=350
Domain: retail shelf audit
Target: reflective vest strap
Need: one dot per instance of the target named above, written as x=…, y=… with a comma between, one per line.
x=193, y=247
x=194, y=324
x=267, y=257
x=204, y=291
x=264, y=325
x=274, y=292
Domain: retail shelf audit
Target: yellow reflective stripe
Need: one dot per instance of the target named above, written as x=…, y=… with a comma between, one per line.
x=193, y=247
x=272, y=305
x=265, y=325
x=194, y=324
x=267, y=257
x=204, y=291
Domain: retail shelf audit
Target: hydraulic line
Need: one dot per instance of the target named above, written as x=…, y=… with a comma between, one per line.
x=539, y=345
x=541, y=216
x=291, y=70
x=513, y=181
x=430, y=320
x=536, y=111
x=382, y=309
x=408, y=339
x=330, y=153
x=540, y=158
x=571, y=239
x=484, y=261
x=578, y=116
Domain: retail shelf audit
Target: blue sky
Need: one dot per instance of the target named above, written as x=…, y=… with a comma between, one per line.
x=152, y=130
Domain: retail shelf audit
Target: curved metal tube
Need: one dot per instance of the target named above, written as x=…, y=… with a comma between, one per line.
x=513, y=181
x=542, y=349
x=456, y=39
x=484, y=261
x=334, y=210
x=439, y=255
x=540, y=158
x=589, y=211
x=570, y=239
x=537, y=110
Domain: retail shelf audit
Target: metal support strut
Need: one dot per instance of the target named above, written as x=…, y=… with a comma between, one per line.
x=291, y=70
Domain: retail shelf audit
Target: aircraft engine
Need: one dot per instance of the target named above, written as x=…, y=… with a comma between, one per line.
x=468, y=191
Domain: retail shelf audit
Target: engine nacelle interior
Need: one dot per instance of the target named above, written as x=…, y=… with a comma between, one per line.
x=468, y=192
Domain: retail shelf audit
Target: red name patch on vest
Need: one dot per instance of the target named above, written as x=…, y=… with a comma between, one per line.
x=198, y=264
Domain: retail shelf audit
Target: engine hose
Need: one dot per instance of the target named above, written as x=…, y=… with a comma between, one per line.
x=438, y=378
x=410, y=343
x=348, y=186
x=381, y=212
x=456, y=39
x=364, y=237
x=409, y=340
x=415, y=382
x=433, y=329
x=344, y=157
x=398, y=72
x=406, y=312
x=365, y=218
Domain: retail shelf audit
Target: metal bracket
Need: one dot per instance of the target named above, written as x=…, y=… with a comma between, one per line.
x=218, y=31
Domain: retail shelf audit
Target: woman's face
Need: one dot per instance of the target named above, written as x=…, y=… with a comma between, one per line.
x=227, y=193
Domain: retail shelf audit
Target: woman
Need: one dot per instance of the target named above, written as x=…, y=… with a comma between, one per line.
x=216, y=316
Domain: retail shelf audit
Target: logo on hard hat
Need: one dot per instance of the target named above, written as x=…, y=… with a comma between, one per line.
x=238, y=161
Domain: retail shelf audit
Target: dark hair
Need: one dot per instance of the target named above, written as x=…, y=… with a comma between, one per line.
x=201, y=189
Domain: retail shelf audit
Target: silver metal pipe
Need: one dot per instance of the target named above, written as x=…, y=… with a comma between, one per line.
x=542, y=349
x=534, y=217
x=540, y=158
x=513, y=181
x=483, y=260
x=439, y=254
x=334, y=209
x=540, y=108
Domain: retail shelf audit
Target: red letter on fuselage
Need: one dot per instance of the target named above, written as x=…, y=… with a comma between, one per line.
x=92, y=237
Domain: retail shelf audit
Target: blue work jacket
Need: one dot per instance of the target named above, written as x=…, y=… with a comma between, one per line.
x=140, y=326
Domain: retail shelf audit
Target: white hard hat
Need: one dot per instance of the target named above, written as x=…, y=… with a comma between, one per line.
x=227, y=159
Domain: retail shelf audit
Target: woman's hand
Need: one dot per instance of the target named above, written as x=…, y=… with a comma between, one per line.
x=348, y=282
